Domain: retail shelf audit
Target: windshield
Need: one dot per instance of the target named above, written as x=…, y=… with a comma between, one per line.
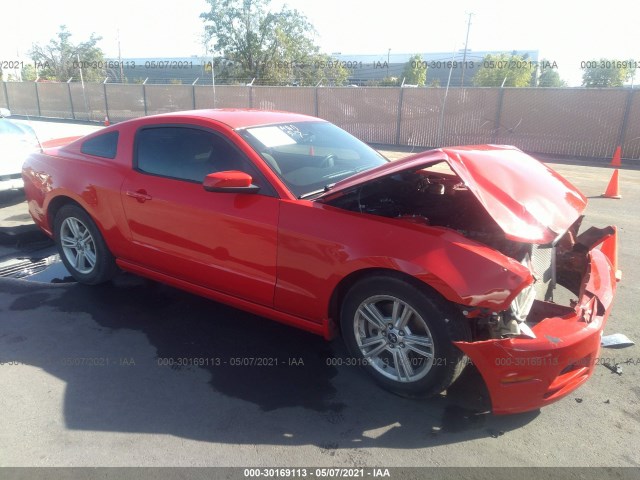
x=311, y=156
x=7, y=127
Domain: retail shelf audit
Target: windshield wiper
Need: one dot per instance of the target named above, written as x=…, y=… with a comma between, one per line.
x=324, y=189
x=328, y=187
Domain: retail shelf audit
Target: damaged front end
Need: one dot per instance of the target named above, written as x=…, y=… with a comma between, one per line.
x=554, y=350
x=543, y=341
x=564, y=263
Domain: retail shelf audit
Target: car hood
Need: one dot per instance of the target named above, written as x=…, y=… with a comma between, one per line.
x=529, y=201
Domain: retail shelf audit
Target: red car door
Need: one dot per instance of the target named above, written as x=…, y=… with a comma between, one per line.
x=223, y=241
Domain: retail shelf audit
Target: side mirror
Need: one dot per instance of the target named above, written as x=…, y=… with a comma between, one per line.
x=231, y=181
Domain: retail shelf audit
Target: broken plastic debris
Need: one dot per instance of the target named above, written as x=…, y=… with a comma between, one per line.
x=614, y=368
x=616, y=340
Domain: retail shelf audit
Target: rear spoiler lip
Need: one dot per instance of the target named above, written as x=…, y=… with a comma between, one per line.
x=59, y=142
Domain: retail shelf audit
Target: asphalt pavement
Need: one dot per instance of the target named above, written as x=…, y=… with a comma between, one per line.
x=135, y=373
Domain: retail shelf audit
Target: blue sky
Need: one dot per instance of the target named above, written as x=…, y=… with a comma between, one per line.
x=567, y=32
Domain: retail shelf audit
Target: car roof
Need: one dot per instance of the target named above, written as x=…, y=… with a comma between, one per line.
x=10, y=127
x=238, y=118
x=234, y=118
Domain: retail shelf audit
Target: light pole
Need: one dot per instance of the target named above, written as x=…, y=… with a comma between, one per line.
x=213, y=74
x=84, y=96
x=388, y=56
x=213, y=79
x=120, y=59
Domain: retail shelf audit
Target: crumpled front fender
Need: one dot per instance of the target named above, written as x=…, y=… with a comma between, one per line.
x=525, y=374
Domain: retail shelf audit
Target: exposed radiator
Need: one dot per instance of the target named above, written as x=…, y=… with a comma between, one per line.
x=543, y=265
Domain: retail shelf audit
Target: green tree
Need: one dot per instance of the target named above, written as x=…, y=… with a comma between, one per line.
x=549, y=76
x=504, y=70
x=606, y=73
x=29, y=73
x=326, y=70
x=226, y=72
x=277, y=48
x=58, y=60
x=390, y=82
x=274, y=47
x=415, y=71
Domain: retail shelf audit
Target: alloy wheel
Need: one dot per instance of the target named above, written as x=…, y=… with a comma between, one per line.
x=78, y=245
x=394, y=338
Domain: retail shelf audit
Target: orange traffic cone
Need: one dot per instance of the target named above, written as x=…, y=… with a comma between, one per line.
x=106, y=121
x=610, y=248
x=616, y=161
x=612, y=191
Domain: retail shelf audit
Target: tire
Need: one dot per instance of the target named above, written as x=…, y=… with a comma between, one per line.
x=378, y=317
x=81, y=246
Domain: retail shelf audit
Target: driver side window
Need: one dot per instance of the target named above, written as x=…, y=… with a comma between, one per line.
x=184, y=153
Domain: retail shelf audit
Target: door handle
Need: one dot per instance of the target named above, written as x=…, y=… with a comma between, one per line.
x=140, y=195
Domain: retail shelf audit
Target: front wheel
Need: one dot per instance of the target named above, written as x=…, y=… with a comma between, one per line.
x=81, y=246
x=403, y=335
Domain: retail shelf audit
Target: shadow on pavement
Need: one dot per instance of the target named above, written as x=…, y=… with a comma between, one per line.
x=10, y=198
x=111, y=345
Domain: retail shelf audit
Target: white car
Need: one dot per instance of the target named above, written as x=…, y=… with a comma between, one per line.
x=17, y=141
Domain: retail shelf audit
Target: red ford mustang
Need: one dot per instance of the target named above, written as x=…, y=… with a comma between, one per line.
x=421, y=264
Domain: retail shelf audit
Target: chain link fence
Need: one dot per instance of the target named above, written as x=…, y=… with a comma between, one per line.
x=553, y=121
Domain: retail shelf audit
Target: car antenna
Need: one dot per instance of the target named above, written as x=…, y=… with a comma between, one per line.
x=35, y=133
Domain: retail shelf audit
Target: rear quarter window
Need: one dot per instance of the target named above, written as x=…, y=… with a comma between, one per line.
x=105, y=145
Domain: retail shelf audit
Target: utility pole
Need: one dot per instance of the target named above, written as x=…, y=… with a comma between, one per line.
x=466, y=45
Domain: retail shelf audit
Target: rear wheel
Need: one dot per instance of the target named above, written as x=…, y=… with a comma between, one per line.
x=403, y=335
x=81, y=246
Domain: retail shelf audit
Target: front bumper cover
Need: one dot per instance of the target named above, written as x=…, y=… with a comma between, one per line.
x=524, y=374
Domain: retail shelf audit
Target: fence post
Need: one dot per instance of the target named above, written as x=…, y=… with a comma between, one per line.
x=498, y=115
x=399, y=122
x=250, y=96
x=193, y=93
x=73, y=113
x=315, y=102
x=6, y=95
x=106, y=102
x=625, y=119
x=37, y=98
x=144, y=95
